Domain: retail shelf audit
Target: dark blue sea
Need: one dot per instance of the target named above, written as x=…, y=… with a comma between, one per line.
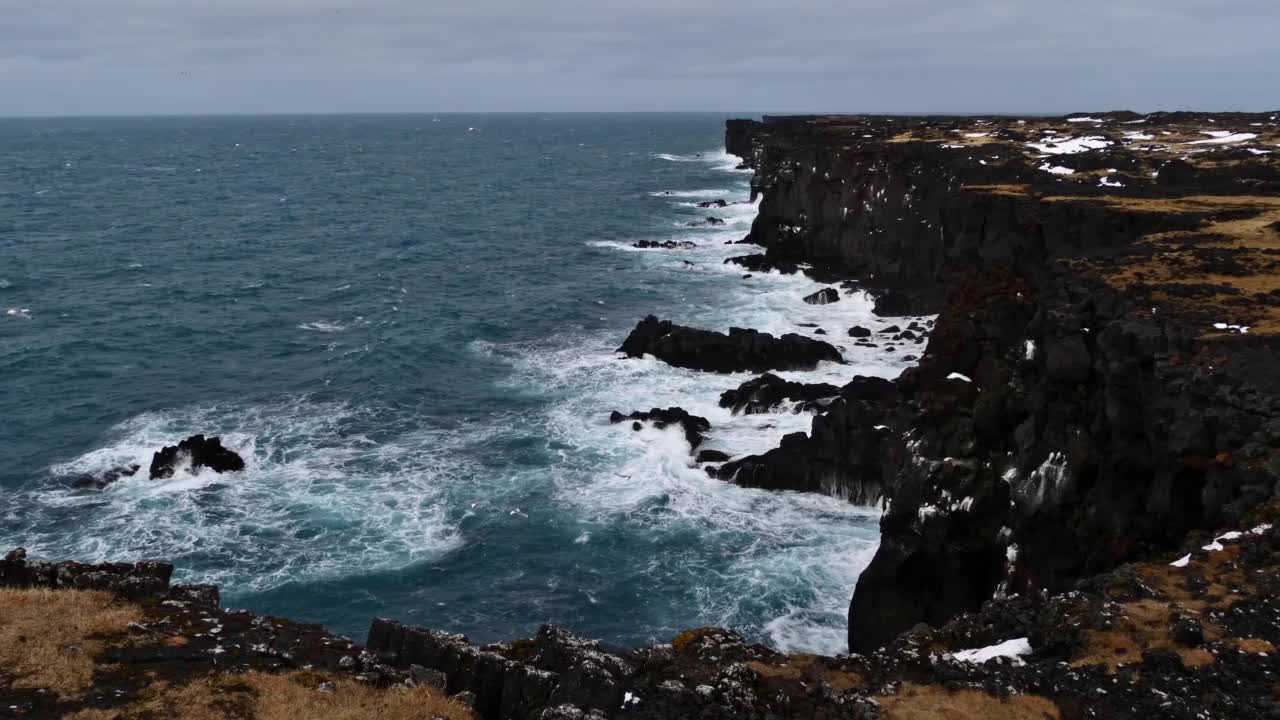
x=406, y=325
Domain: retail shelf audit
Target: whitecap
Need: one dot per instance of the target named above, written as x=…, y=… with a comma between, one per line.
x=313, y=502
x=325, y=327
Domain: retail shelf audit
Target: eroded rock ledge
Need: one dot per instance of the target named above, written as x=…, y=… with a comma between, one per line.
x=1192, y=634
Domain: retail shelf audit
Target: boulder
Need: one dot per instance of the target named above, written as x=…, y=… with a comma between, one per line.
x=858, y=331
x=825, y=296
x=202, y=452
x=695, y=427
x=765, y=393
x=712, y=456
x=738, y=351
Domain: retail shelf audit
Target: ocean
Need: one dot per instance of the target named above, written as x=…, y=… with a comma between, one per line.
x=407, y=325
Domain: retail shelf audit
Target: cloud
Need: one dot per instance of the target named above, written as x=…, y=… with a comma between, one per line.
x=149, y=56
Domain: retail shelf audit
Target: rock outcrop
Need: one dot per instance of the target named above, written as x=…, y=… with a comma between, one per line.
x=738, y=351
x=695, y=427
x=765, y=393
x=198, y=452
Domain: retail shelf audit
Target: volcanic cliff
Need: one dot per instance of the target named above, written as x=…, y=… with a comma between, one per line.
x=1102, y=377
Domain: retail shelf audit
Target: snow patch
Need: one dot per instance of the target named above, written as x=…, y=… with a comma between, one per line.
x=1223, y=137
x=1070, y=146
x=1057, y=169
x=1013, y=649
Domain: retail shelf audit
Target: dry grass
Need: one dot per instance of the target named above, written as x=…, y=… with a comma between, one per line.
x=807, y=669
x=1007, y=190
x=1257, y=646
x=257, y=696
x=1227, y=581
x=1142, y=625
x=48, y=638
x=1254, y=238
x=1145, y=624
x=933, y=702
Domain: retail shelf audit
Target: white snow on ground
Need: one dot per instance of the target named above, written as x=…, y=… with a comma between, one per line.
x=1085, y=119
x=1216, y=545
x=1008, y=649
x=1222, y=137
x=1182, y=561
x=1057, y=170
x=1030, y=347
x=1108, y=182
x=958, y=376
x=1138, y=135
x=1070, y=146
x=1238, y=328
x=1256, y=151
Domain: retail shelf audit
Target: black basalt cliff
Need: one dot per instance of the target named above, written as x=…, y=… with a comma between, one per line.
x=1090, y=393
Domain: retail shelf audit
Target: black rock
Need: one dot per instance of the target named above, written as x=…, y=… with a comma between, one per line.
x=713, y=203
x=695, y=427
x=712, y=456
x=738, y=351
x=859, y=332
x=819, y=331
x=765, y=393
x=1188, y=630
x=667, y=245
x=107, y=478
x=202, y=453
x=890, y=329
x=825, y=296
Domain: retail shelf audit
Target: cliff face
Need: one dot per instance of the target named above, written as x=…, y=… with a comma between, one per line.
x=1083, y=400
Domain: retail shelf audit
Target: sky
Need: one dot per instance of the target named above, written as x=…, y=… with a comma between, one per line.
x=92, y=57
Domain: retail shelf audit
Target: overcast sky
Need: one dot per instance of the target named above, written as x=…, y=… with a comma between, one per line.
x=249, y=56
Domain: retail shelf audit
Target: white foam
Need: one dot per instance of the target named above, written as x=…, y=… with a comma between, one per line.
x=313, y=501
x=325, y=327
x=813, y=546
x=704, y=193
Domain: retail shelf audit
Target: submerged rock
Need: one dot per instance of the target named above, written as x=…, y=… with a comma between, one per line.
x=665, y=245
x=101, y=481
x=200, y=451
x=825, y=296
x=712, y=456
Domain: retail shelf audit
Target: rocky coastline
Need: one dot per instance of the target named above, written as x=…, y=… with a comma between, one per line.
x=1078, y=478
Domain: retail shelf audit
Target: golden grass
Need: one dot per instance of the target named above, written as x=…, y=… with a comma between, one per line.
x=806, y=669
x=933, y=702
x=49, y=638
x=1145, y=623
x=1257, y=646
x=258, y=696
x=1012, y=190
